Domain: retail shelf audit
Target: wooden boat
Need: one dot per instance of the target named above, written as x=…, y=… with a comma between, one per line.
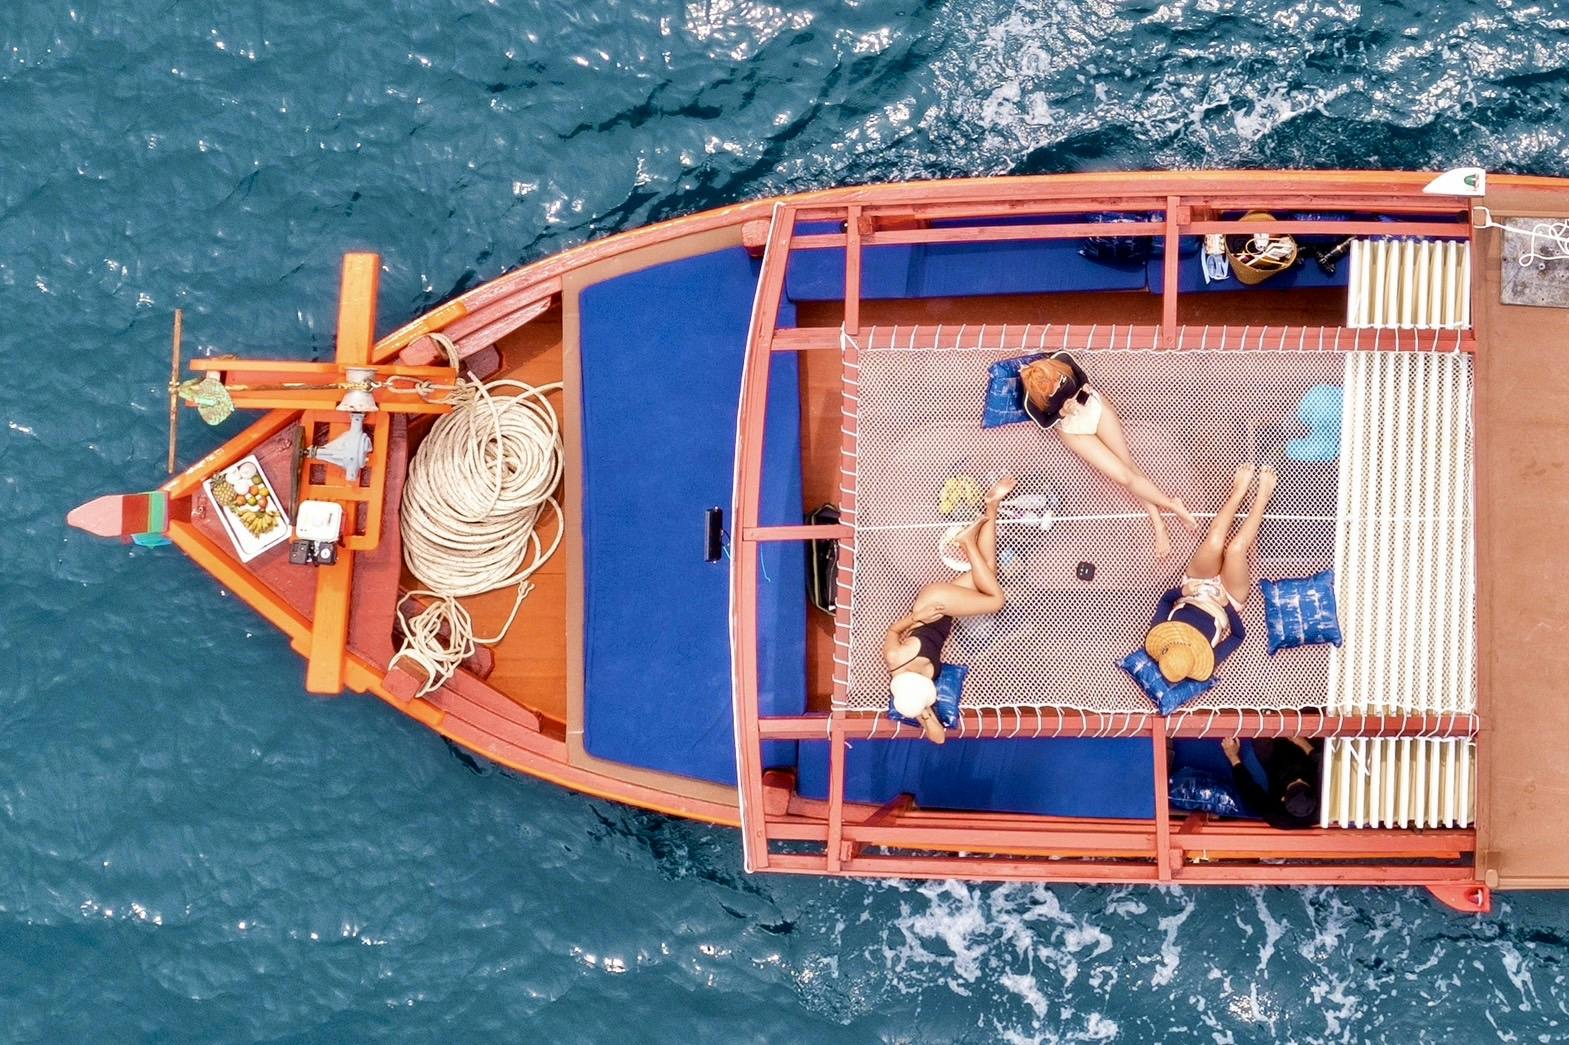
x=831, y=348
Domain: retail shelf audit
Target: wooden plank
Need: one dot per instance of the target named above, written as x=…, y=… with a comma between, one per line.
x=1168, y=301
x=797, y=533
x=1163, y=855
x=357, y=308
x=1521, y=411
x=852, y=272
x=744, y=565
x=836, y=756
x=1450, y=230
x=1033, y=723
x=330, y=626
x=970, y=336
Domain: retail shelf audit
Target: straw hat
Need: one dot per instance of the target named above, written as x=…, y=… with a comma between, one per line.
x=1181, y=651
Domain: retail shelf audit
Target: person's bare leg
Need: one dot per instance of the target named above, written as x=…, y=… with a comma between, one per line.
x=980, y=544
x=931, y=726
x=1098, y=456
x=1111, y=433
x=977, y=592
x=1211, y=554
x=1236, y=572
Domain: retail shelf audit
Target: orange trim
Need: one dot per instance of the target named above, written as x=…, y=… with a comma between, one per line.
x=749, y=469
x=1168, y=297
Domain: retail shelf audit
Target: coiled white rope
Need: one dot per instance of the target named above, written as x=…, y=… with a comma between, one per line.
x=471, y=504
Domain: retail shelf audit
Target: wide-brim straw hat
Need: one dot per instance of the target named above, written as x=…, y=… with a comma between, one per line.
x=1181, y=650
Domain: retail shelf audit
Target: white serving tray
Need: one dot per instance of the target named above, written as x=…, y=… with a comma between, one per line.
x=248, y=545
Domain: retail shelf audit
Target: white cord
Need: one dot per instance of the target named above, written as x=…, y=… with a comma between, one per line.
x=471, y=502
x=1556, y=232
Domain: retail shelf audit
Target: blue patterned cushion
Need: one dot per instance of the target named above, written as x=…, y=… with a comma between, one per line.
x=1167, y=698
x=950, y=687
x=1301, y=612
x=1198, y=790
x=1004, y=396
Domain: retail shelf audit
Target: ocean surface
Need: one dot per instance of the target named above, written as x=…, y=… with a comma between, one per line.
x=191, y=848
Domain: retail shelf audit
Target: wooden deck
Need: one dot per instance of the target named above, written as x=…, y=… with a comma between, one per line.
x=1522, y=463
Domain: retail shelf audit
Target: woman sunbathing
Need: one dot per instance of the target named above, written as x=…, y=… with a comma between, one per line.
x=1199, y=622
x=1058, y=396
x=912, y=649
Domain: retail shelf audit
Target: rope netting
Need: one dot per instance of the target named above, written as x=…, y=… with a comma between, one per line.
x=1190, y=416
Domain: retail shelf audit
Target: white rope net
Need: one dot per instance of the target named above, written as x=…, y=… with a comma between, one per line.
x=1190, y=417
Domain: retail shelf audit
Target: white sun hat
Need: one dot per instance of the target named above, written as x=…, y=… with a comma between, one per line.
x=913, y=693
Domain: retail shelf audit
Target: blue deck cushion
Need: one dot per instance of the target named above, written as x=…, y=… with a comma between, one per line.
x=1004, y=393
x=1165, y=696
x=950, y=689
x=1301, y=612
x=1112, y=778
x=661, y=354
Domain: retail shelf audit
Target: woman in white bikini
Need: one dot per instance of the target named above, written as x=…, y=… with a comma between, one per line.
x=1058, y=396
x=1199, y=622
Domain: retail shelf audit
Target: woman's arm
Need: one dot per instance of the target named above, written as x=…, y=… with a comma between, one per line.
x=894, y=640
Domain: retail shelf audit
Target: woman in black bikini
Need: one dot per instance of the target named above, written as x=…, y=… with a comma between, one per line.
x=912, y=649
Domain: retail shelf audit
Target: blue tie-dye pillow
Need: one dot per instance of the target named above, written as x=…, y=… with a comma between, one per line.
x=950, y=687
x=1167, y=697
x=1004, y=396
x=1198, y=790
x=1301, y=612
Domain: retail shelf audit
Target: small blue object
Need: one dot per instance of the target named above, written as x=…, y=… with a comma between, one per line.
x=1200, y=791
x=1320, y=411
x=1301, y=612
x=1004, y=394
x=1167, y=698
x=950, y=687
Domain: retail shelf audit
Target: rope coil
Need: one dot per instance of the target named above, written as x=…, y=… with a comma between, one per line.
x=472, y=501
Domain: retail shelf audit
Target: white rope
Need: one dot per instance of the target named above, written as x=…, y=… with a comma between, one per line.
x=471, y=502
x=1554, y=231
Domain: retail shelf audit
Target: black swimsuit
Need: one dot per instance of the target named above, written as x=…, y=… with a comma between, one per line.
x=932, y=637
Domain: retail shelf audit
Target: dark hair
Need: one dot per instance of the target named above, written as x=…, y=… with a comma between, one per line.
x=1300, y=799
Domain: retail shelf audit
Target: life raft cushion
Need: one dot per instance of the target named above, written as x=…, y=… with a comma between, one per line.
x=1301, y=612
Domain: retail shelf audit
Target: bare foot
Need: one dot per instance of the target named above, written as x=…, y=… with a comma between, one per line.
x=932, y=727
x=1162, y=540
x=1180, y=510
x=1000, y=491
x=1267, y=481
x=1243, y=477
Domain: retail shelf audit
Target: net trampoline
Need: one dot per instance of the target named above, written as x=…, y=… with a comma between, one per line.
x=912, y=426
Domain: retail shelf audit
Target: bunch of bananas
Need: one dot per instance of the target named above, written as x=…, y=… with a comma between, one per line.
x=257, y=520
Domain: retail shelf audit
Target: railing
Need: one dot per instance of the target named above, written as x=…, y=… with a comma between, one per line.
x=775, y=824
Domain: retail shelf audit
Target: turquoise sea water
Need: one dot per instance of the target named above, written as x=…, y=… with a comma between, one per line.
x=193, y=849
